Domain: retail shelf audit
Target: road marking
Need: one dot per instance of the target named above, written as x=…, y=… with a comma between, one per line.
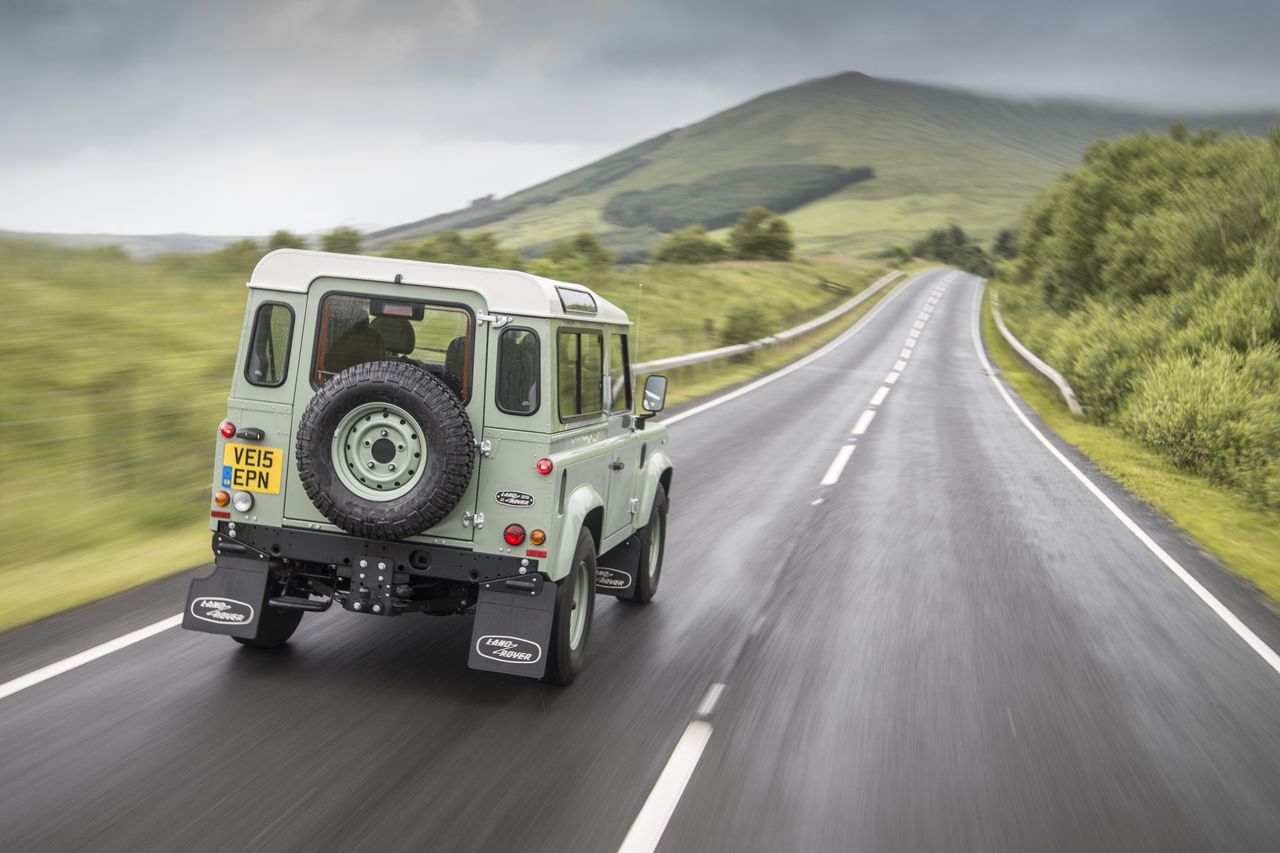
x=804, y=362
x=709, y=702
x=914, y=333
x=646, y=831
x=815, y=502
x=837, y=466
x=44, y=673
x=878, y=397
x=906, y=353
x=899, y=366
x=910, y=343
x=892, y=377
x=1233, y=622
x=918, y=325
x=863, y=422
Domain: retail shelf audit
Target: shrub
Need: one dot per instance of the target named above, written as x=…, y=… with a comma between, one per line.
x=689, y=245
x=745, y=325
x=759, y=235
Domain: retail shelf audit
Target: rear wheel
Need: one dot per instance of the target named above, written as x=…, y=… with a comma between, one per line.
x=274, y=629
x=575, y=606
x=653, y=539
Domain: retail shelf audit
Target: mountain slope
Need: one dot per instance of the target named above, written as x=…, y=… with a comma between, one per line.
x=937, y=155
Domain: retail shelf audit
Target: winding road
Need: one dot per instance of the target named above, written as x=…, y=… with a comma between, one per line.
x=892, y=617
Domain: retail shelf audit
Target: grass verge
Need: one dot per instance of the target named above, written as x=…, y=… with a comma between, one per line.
x=1246, y=539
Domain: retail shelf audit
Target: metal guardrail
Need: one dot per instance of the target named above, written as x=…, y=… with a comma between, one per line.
x=676, y=361
x=1064, y=387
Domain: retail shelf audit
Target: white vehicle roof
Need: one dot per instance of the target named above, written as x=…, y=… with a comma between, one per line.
x=504, y=291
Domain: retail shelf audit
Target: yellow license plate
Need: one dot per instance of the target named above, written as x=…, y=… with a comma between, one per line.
x=252, y=469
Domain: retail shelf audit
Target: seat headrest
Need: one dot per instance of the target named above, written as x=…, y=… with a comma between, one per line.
x=397, y=334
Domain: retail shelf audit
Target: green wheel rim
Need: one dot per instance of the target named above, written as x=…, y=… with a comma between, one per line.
x=578, y=616
x=379, y=451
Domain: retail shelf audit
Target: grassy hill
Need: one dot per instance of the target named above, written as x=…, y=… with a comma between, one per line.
x=935, y=155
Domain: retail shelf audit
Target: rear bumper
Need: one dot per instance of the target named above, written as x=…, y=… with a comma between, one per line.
x=347, y=554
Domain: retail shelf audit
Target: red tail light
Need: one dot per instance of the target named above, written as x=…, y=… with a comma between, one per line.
x=514, y=534
x=228, y=429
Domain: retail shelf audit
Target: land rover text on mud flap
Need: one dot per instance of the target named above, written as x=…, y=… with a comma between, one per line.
x=406, y=436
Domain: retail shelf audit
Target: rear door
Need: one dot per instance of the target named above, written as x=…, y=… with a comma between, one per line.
x=350, y=321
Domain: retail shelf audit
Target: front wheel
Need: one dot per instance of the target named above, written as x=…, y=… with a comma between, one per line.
x=653, y=540
x=575, y=605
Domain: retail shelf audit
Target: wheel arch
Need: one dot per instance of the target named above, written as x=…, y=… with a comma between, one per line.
x=583, y=508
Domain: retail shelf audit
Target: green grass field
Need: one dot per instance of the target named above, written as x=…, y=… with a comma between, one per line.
x=117, y=374
x=1245, y=538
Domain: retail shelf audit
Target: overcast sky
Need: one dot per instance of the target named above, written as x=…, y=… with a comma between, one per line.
x=243, y=116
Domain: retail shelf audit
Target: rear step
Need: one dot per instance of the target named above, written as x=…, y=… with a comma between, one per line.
x=293, y=602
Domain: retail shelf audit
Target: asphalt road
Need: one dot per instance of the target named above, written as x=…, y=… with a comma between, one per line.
x=952, y=645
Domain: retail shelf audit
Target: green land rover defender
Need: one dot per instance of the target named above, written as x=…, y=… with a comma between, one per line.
x=406, y=436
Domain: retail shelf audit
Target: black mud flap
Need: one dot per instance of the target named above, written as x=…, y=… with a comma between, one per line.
x=230, y=600
x=616, y=569
x=513, y=626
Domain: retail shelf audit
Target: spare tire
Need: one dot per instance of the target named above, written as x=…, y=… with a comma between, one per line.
x=385, y=450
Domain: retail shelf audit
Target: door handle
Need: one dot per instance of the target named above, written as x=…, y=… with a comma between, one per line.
x=617, y=465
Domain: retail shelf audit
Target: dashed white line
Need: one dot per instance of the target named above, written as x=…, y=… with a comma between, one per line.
x=906, y=353
x=860, y=427
x=1233, y=622
x=914, y=333
x=918, y=325
x=44, y=673
x=892, y=377
x=910, y=343
x=837, y=466
x=815, y=502
x=878, y=397
x=899, y=366
x=646, y=831
x=709, y=702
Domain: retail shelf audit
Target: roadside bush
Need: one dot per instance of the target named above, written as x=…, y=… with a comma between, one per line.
x=745, y=325
x=689, y=246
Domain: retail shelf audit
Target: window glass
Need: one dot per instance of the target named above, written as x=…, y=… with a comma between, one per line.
x=577, y=300
x=357, y=329
x=580, y=373
x=519, y=372
x=269, y=349
x=619, y=373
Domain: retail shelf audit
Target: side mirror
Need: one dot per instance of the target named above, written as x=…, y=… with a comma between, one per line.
x=654, y=398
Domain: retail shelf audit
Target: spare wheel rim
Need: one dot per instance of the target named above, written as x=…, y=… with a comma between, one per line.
x=379, y=451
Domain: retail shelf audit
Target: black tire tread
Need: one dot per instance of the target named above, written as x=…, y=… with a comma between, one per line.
x=441, y=416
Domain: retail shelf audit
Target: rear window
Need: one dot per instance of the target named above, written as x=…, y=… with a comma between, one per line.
x=519, y=372
x=268, y=362
x=358, y=329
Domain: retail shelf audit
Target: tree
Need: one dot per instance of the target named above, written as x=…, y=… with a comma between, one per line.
x=343, y=239
x=1005, y=245
x=951, y=245
x=689, y=246
x=761, y=235
x=583, y=250
x=286, y=240
x=452, y=247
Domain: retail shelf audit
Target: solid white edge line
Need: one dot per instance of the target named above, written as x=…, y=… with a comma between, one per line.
x=709, y=702
x=1233, y=622
x=646, y=831
x=44, y=673
x=878, y=397
x=892, y=377
x=804, y=362
x=864, y=421
x=837, y=466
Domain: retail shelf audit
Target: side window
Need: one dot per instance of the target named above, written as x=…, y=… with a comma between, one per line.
x=268, y=361
x=579, y=373
x=519, y=372
x=355, y=329
x=619, y=374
